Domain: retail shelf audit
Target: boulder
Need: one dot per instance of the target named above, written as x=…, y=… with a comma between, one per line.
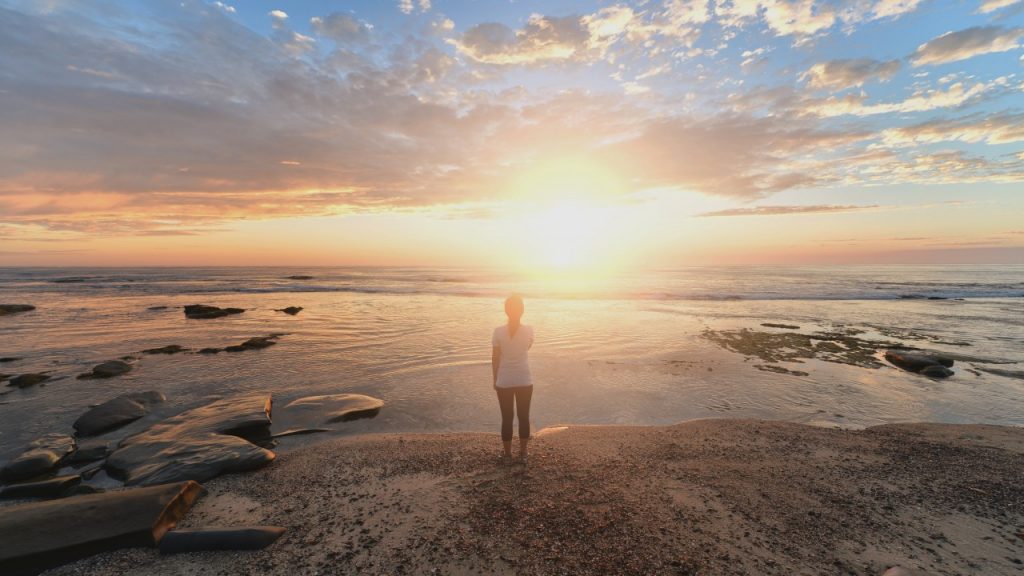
x=233, y=538
x=299, y=277
x=211, y=350
x=292, y=310
x=936, y=371
x=26, y=380
x=107, y=369
x=49, y=488
x=169, y=349
x=116, y=413
x=40, y=535
x=197, y=444
x=257, y=343
x=314, y=410
x=155, y=308
x=202, y=311
x=914, y=362
x=89, y=451
x=39, y=458
x=6, y=309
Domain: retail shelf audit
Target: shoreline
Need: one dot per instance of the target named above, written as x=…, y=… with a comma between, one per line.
x=706, y=496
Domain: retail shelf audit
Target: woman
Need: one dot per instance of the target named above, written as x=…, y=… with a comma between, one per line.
x=511, y=375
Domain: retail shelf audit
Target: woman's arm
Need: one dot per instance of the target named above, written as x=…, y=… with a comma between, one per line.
x=495, y=362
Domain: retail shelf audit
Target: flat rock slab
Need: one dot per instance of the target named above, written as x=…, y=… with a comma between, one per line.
x=197, y=444
x=26, y=380
x=256, y=343
x=202, y=311
x=233, y=538
x=292, y=310
x=41, y=535
x=170, y=349
x=913, y=362
x=49, y=488
x=6, y=309
x=115, y=413
x=108, y=369
x=89, y=451
x=39, y=458
x=315, y=410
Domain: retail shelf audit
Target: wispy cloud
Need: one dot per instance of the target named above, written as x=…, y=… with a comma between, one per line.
x=787, y=210
x=968, y=43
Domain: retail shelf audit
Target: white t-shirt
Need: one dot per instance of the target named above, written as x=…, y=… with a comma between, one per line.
x=514, y=369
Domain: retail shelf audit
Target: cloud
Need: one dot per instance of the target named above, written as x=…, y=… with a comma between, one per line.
x=996, y=129
x=992, y=5
x=968, y=43
x=225, y=7
x=543, y=38
x=954, y=95
x=408, y=6
x=842, y=74
x=804, y=19
x=341, y=27
x=787, y=210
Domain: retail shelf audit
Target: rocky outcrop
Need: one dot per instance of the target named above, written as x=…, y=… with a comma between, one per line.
x=257, y=343
x=291, y=310
x=115, y=413
x=89, y=451
x=49, y=488
x=26, y=380
x=169, y=349
x=197, y=444
x=107, y=369
x=202, y=311
x=930, y=365
x=6, y=309
x=41, y=535
x=39, y=458
x=299, y=277
x=234, y=538
x=783, y=326
x=316, y=410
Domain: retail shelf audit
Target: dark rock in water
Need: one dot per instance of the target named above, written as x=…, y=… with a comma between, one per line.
x=170, y=349
x=40, y=535
x=6, y=309
x=774, y=325
x=937, y=298
x=70, y=280
x=293, y=310
x=256, y=343
x=780, y=370
x=26, y=380
x=89, y=451
x=116, y=413
x=1018, y=374
x=157, y=308
x=936, y=371
x=49, y=488
x=911, y=297
x=202, y=311
x=39, y=458
x=107, y=369
x=299, y=277
x=314, y=410
x=211, y=350
x=9, y=359
x=916, y=362
x=198, y=444
x=233, y=538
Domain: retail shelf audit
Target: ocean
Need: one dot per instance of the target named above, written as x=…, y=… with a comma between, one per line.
x=651, y=347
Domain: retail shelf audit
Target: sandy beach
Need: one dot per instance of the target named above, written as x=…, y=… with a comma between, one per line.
x=701, y=497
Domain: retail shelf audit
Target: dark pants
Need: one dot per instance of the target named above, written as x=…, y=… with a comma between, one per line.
x=520, y=395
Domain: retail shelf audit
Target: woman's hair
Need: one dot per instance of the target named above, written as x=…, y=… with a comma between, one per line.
x=514, y=306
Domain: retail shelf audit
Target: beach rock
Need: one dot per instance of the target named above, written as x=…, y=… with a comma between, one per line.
x=6, y=309
x=154, y=308
x=936, y=371
x=314, y=410
x=107, y=369
x=774, y=325
x=211, y=350
x=26, y=380
x=292, y=310
x=9, y=359
x=256, y=343
x=916, y=362
x=233, y=538
x=170, y=349
x=89, y=451
x=39, y=458
x=116, y=413
x=202, y=311
x=40, y=535
x=197, y=444
x=299, y=277
x=49, y=488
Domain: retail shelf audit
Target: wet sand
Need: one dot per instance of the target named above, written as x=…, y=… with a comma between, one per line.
x=702, y=497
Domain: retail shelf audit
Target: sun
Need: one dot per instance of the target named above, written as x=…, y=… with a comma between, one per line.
x=567, y=235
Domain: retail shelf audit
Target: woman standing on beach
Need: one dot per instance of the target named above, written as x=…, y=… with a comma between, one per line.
x=511, y=375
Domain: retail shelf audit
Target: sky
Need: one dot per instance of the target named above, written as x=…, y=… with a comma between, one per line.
x=554, y=134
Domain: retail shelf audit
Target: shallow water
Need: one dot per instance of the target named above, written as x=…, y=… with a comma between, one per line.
x=622, y=353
